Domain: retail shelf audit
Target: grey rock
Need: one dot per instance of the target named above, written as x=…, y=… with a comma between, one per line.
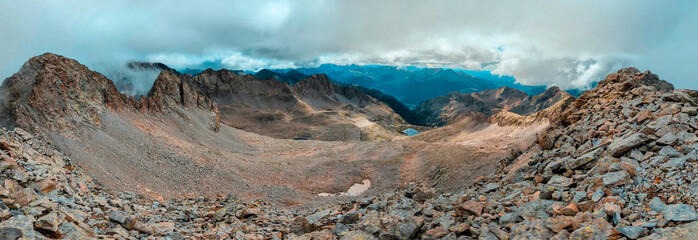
x=339, y=229
x=687, y=231
x=694, y=189
x=692, y=111
x=676, y=162
x=669, y=139
x=50, y=221
x=350, y=218
x=20, y=176
x=614, y=178
x=20, y=223
x=72, y=231
x=574, y=163
x=407, y=229
x=598, y=195
x=669, y=152
x=556, y=164
x=357, y=235
x=657, y=205
x=560, y=181
x=660, y=122
x=631, y=232
x=491, y=187
x=535, y=209
x=620, y=147
x=486, y=234
x=509, y=218
x=680, y=213
x=123, y=218
x=578, y=196
x=531, y=229
x=10, y=233
x=315, y=218
x=692, y=156
x=686, y=137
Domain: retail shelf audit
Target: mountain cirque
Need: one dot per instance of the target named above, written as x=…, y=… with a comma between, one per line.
x=619, y=162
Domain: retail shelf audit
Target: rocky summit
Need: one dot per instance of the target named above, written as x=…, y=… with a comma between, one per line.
x=619, y=162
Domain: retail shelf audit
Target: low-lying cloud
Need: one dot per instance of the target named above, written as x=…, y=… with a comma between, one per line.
x=563, y=43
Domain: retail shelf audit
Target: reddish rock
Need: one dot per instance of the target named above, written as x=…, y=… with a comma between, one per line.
x=539, y=179
x=586, y=206
x=559, y=223
x=435, y=233
x=644, y=115
x=570, y=210
x=469, y=208
x=45, y=186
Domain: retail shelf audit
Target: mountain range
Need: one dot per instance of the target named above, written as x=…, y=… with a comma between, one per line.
x=223, y=154
x=410, y=85
x=413, y=85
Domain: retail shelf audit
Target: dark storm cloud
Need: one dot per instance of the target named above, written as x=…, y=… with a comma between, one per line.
x=564, y=43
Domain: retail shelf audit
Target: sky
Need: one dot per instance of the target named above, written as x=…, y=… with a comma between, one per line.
x=555, y=43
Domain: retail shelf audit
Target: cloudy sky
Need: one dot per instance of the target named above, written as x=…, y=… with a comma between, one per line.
x=563, y=43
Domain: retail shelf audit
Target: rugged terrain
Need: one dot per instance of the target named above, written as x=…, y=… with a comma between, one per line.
x=618, y=162
x=455, y=106
x=182, y=138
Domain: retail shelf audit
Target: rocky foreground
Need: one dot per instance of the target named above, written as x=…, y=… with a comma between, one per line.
x=619, y=163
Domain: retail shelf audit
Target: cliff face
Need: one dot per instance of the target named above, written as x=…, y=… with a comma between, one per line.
x=54, y=93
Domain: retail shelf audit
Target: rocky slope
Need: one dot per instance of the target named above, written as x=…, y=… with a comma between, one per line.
x=626, y=173
x=441, y=111
x=312, y=108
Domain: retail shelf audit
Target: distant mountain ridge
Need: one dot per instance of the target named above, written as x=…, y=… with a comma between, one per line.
x=438, y=111
x=410, y=85
x=444, y=110
x=413, y=86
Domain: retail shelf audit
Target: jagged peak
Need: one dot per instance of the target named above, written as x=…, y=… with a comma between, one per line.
x=318, y=77
x=52, y=92
x=552, y=92
x=510, y=90
x=314, y=81
x=553, y=89
x=53, y=70
x=166, y=79
x=628, y=78
x=625, y=84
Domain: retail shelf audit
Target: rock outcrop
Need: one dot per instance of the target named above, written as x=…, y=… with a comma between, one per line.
x=54, y=93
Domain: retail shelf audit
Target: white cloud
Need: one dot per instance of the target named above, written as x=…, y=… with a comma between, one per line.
x=565, y=43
